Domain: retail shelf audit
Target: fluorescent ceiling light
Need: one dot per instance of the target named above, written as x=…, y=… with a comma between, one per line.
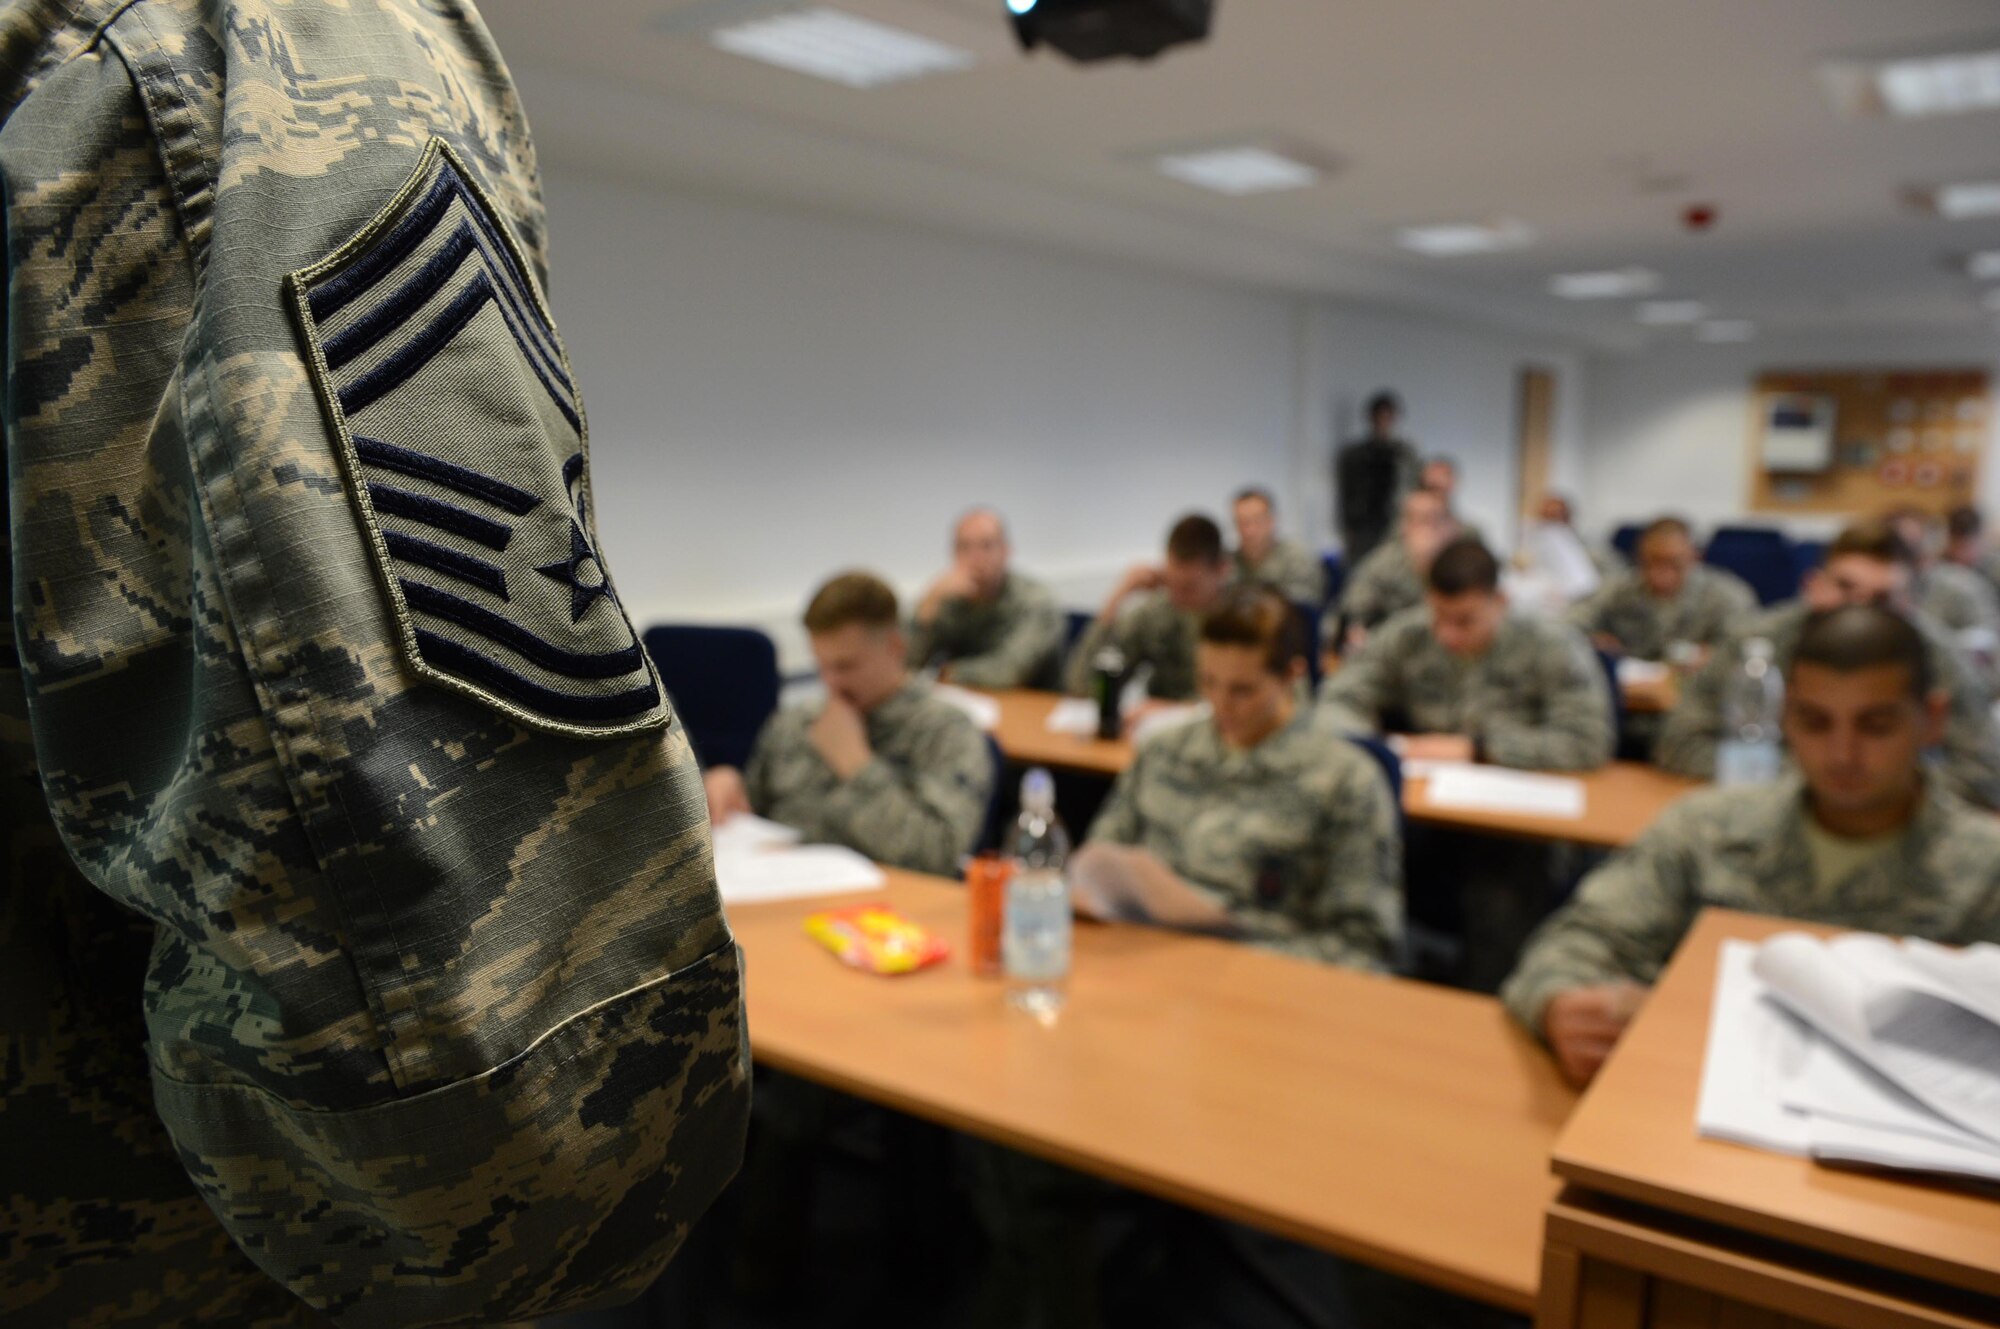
x=1725, y=330
x=1940, y=85
x=1917, y=86
x=828, y=44
x=1967, y=198
x=1456, y=239
x=1238, y=171
x=1619, y=284
x=1983, y=266
x=1672, y=313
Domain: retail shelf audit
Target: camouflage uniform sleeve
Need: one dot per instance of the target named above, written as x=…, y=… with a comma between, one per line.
x=442, y=1014
x=1626, y=920
x=1354, y=918
x=1032, y=636
x=926, y=818
x=1588, y=614
x=1573, y=731
x=1354, y=698
x=1301, y=579
x=1693, y=729
x=1971, y=739
x=1117, y=822
x=1361, y=601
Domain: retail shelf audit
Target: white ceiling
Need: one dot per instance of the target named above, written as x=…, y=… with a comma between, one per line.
x=1595, y=121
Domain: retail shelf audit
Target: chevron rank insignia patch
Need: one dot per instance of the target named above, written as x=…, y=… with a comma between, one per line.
x=463, y=442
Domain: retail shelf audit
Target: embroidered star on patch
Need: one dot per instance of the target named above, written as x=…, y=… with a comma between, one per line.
x=463, y=441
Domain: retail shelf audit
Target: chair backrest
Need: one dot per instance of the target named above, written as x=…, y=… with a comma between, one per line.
x=1609, y=661
x=1075, y=622
x=989, y=834
x=1336, y=577
x=1760, y=556
x=1807, y=555
x=1309, y=619
x=1626, y=540
x=1392, y=766
x=724, y=685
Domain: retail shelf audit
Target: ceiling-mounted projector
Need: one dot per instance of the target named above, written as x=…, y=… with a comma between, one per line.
x=1086, y=30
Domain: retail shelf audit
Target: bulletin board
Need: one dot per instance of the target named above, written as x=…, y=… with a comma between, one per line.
x=1900, y=438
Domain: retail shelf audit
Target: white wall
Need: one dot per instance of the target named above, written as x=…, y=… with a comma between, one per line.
x=1460, y=388
x=1669, y=430
x=774, y=394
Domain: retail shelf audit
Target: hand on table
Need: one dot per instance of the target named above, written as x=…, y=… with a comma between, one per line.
x=1584, y=1024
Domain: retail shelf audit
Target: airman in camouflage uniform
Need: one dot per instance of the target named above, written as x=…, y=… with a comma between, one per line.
x=1969, y=763
x=1644, y=625
x=1153, y=616
x=1290, y=569
x=1536, y=698
x=918, y=805
x=1859, y=836
x=1286, y=566
x=1384, y=584
x=1010, y=641
x=1747, y=848
x=1958, y=598
x=359, y=923
x=1297, y=837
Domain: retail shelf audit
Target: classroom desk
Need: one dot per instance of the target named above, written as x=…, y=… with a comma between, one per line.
x=1659, y=1229
x=1398, y=1124
x=1620, y=801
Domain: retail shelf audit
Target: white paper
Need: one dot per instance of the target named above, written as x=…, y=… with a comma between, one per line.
x=746, y=831
x=1849, y=1142
x=1425, y=768
x=983, y=710
x=1073, y=715
x=1900, y=1020
x=1754, y=1047
x=755, y=877
x=1833, y=1086
x=1493, y=789
x=1634, y=673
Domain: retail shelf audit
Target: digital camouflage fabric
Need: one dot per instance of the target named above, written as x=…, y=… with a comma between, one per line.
x=339, y=978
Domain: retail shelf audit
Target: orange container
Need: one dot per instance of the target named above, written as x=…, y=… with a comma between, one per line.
x=986, y=904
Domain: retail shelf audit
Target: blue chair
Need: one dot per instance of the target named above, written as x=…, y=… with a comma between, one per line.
x=1392, y=766
x=1075, y=623
x=1309, y=617
x=1609, y=661
x=1626, y=540
x=1760, y=556
x=1335, y=565
x=724, y=685
x=989, y=834
x=1807, y=555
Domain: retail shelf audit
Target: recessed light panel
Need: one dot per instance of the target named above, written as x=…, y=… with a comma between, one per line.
x=1238, y=171
x=1457, y=239
x=1616, y=284
x=839, y=47
x=1671, y=313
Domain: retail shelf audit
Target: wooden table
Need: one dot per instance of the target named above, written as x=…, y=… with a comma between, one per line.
x=1620, y=801
x=1660, y=1228
x=1402, y=1125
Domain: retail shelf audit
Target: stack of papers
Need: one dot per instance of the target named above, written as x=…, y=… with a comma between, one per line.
x=1496, y=789
x=984, y=710
x=1860, y=1050
x=759, y=861
x=1073, y=715
x=1078, y=715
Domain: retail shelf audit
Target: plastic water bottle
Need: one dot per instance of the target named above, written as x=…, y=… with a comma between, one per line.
x=1749, y=752
x=1034, y=941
